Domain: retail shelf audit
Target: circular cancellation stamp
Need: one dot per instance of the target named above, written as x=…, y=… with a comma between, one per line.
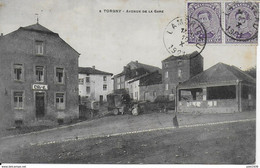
x=241, y=22
x=209, y=14
x=176, y=39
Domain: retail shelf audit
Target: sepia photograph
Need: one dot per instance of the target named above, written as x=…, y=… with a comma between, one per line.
x=122, y=82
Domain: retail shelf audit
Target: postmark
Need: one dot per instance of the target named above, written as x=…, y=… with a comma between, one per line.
x=241, y=22
x=175, y=36
x=209, y=14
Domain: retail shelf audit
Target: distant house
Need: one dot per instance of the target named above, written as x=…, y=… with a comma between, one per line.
x=39, y=73
x=94, y=84
x=177, y=69
x=132, y=70
x=221, y=88
x=135, y=84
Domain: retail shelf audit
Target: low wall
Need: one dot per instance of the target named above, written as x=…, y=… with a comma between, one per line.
x=208, y=106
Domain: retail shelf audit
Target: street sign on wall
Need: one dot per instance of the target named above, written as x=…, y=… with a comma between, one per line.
x=39, y=87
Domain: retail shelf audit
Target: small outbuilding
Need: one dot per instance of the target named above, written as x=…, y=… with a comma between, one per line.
x=219, y=89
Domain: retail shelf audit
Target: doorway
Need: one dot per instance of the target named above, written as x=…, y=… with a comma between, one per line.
x=40, y=104
x=101, y=99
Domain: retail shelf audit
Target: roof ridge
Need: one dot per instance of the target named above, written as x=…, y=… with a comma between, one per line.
x=244, y=73
x=93, y=69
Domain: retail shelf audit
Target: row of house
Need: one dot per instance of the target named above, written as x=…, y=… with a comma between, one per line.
x=221, y=88
x=145, y=82
x=41, y=81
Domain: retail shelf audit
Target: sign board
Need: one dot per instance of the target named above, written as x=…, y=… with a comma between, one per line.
x=39, y=87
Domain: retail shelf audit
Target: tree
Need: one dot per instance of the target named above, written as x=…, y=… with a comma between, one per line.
x=251, y=71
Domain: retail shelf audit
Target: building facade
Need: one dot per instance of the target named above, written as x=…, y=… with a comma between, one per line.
x=176, y=70
x=94, y=84
x=219, y=89
x=39, y=74
x=132, y=70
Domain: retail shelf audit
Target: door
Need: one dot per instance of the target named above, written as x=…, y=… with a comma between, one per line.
x=101, y=99
x=39, y=103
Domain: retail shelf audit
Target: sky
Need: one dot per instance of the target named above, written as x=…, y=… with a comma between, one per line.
x=111, y=40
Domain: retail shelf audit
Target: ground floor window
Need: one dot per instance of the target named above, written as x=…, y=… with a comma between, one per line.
x=18, y=99
x=88, y=90
x=60, y=101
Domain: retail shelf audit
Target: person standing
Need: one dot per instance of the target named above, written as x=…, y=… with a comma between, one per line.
x=175, y=120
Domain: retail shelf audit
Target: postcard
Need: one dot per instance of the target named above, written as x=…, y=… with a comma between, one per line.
x=128, y=82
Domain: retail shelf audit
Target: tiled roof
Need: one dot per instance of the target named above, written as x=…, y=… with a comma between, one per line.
x=218, y=74
x=89, y=70
x=137, y=66
x=145, y=66
x=39, y=28
x=182, y=57
x=148, y=79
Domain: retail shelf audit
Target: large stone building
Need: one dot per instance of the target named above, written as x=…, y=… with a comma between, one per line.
x=94, y=84
x=39, y=77
x=132, y=70
x=176, y=70
x=219, y=89
x=144, y=87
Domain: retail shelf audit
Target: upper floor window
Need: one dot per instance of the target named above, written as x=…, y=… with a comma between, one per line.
x=18, y=100
x=59, y=75
x=81, y=81
x=104, y=87
x=18, y=72
x=87, y=79
x=166, y=65
x=122, y=79
x=39, y=72
x=179, y=73
x=118, y=80
x=179, y=62
x=39, y=47
x=166, y=74
x=104, y=78
x=60, y=101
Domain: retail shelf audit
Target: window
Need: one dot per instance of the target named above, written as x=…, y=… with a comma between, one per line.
x=154, y=94
x=104, y=87
x=104, y=78
x=179, y=62
x=81, y=81
x=136, y=94
x=18, y=100
x=87, y=79
x=18, y=72
x=118, y=86
x=39, y=47
x=179, y=73
x=59, y=75
x=60, y=101
x=166, y=86
x=39, y=73
x=166, y=65
x=118, y=80
x=88, y=89
x=122, y=79
x=166, y=74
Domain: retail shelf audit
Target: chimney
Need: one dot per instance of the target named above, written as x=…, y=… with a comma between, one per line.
x=93, y=66
x=2, y=34
x=136, y=61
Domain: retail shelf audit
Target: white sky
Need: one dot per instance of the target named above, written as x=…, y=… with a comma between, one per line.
x=111, y=40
